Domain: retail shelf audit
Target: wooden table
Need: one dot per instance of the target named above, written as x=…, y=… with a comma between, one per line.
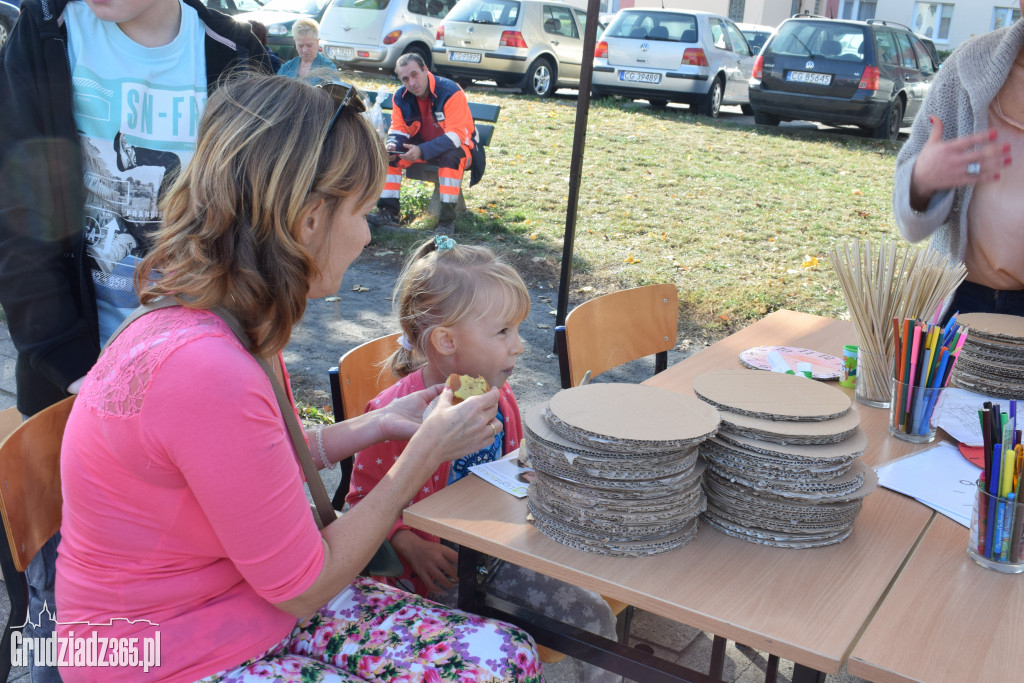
x=808, y=606
x=945, y=619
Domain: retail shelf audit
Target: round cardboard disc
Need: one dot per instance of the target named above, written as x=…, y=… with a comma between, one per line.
x=994, y=326
x=771, y=395
x=788, y=431
x=634, y=413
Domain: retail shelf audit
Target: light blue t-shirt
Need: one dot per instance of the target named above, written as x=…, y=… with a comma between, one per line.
x=137, y=110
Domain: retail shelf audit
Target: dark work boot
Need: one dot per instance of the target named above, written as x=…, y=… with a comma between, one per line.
x=387, y=215
x=446, y=219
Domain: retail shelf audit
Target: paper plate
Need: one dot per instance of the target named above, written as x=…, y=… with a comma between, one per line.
x=823, y=366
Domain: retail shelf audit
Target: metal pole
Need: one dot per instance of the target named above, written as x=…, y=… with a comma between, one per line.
x=579, y=140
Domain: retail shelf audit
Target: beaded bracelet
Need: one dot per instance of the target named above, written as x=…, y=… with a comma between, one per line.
x=321, y=450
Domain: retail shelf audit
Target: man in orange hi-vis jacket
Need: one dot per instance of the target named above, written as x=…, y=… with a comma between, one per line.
x=430, y=122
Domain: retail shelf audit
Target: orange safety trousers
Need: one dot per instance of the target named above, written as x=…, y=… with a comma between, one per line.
x=449, y=174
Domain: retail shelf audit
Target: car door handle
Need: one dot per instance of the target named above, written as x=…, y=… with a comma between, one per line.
x=554, y=42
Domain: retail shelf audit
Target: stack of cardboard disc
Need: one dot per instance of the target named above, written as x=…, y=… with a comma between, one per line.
x=784, y=468
x=991, y=361
x=616, y=467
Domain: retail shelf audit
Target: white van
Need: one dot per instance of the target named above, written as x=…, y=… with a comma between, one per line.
x=371, y=35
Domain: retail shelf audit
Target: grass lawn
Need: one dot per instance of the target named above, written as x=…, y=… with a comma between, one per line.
x=740, y=218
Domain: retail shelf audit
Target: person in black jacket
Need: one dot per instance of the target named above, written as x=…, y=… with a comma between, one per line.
x=49, y=178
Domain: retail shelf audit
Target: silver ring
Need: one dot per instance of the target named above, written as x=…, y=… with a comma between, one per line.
x=974, y=168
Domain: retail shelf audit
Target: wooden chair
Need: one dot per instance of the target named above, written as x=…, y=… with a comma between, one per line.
x=617, y=328
x=30, y=503
x=354, y=383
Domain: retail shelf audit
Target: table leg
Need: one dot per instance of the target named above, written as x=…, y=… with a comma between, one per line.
x=805, y=674
x=717, y=657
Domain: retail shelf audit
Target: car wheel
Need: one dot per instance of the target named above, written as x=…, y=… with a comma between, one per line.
x=540, y=79
x=422, y=52
x=889, y=129
x=765, y=119
x=5, y=31
x=712, y=103
x=658, y=103
x=747, y=110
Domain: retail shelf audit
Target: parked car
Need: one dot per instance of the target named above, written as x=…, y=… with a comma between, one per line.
x=278, y=16
x=756, y=35
x=233, y=7
x=665, y=55
x=871, y=74
x=8, y=15
x=372, y=34
x=535, y=45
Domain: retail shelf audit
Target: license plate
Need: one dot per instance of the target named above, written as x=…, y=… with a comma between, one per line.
x=808, y=77
x=473, y=57
x=344, y=54
x=639, y=77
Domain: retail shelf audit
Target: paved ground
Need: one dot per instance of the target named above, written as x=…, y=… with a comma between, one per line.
x=331, y=327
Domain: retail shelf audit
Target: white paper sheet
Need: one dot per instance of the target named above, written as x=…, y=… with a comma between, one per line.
x=939, y=477
x=506, y=474
x=959, y=414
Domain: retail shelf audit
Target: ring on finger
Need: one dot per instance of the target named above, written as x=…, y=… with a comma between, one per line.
x=494, y=431
x=974, y=168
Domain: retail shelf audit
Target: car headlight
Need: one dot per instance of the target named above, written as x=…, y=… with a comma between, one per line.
x=277, y=30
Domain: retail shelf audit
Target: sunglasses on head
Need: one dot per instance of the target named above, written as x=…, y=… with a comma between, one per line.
x=347, y=97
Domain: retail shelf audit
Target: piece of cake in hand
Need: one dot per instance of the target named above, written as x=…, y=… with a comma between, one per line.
x=464, y=386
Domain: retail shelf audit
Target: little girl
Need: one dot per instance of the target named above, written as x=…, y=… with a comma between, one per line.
x=460, y=308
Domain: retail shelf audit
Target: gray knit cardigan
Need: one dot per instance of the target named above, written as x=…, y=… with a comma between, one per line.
x=960, y=95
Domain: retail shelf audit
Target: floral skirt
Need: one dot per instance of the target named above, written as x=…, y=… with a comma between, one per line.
x=373, y=632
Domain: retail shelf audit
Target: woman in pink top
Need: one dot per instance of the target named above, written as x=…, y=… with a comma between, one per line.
x=188, y=548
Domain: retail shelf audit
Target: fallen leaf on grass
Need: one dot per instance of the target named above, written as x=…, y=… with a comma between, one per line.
x=631, y=259
x=585, y=290
x=533, y=235
x=811, y=262
x=858, y=192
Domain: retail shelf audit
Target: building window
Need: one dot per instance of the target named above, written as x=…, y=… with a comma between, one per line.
x=736, y=9
x=861, y=10
x=932, y=19
x=1004, y=16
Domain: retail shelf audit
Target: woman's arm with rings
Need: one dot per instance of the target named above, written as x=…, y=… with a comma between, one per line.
x=449, y=432
x=967, y=160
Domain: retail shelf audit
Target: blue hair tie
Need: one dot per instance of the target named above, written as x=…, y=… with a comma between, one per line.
x=443, y=243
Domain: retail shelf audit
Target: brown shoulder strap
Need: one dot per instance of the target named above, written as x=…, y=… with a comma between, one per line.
x=324, y=511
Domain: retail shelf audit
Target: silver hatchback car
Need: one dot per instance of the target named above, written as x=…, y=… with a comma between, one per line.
x=536, y=45
x=665, y=55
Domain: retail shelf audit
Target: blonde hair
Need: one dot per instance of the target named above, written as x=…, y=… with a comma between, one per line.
x=304, y=26
x=263, y=157
x=441, y=288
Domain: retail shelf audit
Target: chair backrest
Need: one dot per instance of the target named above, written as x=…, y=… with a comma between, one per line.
x=658, y=33
x=360, y=377
x=617, y=328
x=356, y=380
x=30, y=499
x=552, y=25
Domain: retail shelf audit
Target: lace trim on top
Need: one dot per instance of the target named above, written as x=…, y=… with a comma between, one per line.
x=116, y=386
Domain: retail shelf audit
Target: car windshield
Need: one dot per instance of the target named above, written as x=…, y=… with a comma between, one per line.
x=494, y=12
x=654, y=26
x=362, y=4
x=294, y=6
x=755, y=38
x=818, y=39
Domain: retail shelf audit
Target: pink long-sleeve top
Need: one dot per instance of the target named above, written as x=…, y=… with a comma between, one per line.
x=184, y=508
x=371, y=464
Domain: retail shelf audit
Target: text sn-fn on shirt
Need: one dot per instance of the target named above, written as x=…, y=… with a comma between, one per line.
x=137, y=109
